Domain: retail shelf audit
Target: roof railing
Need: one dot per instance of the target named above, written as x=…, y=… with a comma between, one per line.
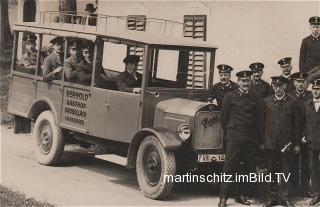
x=104, y=23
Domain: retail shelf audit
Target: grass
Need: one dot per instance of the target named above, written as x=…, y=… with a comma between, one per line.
x=14, y=199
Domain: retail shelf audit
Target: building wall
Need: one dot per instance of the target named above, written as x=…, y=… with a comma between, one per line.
x=245, y=31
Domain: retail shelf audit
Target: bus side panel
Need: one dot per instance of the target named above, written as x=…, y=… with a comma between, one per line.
x=21, y=95
x=51, y=91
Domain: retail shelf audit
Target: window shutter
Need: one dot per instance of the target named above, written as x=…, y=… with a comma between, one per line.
x=137, y=22
x=195, y=28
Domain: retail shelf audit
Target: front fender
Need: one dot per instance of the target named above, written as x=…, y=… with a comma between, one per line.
x=168, y=139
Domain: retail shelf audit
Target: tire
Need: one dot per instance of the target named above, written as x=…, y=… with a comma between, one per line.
x=48, y=138
x=153, y=162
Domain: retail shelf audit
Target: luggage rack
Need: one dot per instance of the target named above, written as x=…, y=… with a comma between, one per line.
x=104, y=23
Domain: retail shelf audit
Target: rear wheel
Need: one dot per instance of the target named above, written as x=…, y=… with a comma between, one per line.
x=49, y=140
x=153, y=163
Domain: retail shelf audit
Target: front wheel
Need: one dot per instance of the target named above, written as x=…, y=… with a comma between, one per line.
x=155, y=168
x=49, y=140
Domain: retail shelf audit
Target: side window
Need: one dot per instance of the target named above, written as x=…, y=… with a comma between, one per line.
x=138, y=23
x=27, y=53
x=118, y=66
x=195, y=28
x=52, y=64
x=78, y=65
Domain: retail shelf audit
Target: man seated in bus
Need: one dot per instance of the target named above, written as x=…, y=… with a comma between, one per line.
x=130, y=79
x=52, y=65
x=84, y=67
x=70, y=64
x=29, y=58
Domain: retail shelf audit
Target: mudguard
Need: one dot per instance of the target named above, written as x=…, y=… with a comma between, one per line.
x=168, y=139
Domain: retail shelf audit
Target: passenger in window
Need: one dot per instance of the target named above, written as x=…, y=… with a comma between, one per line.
x=70, y=64
x=29, y=58
x=84, y=68
x=130, y=79
x=91, y=18
x=52, y=65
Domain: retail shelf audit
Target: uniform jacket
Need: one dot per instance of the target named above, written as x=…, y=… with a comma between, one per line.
x=218, y=91
x=84, y=72
x=125, y=80
x=70, y=68
x=49, y=64
x=29, y=61
x=290, y=86
x=280, y=122
x=261, y=87
x=312, y=124
x=309, y=53
x=300, y=99
x=240, y=116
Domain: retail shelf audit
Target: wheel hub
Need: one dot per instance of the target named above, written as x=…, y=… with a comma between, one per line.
x=152, y=166
x=45, y=138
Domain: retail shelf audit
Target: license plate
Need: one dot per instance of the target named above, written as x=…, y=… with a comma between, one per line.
x=210, y=157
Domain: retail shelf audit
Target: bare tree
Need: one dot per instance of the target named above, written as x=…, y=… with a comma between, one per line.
x=5, y=33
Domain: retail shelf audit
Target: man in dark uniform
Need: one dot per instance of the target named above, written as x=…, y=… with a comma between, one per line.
x=312, y=133
x=29, y=58
x=219, y=90
x=280, y=121
x=84, y=68
x=258, y=85
x=286, y=67
x=52, y=65
x=130, y=80
x=300, y=94
x=70, y=64
x=240, y=120
x=310, y=49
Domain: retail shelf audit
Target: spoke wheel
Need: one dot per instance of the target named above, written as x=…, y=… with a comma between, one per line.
x=152, y=164
x=49, y=140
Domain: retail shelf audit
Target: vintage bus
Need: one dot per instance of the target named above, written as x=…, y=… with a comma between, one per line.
x=170, y=126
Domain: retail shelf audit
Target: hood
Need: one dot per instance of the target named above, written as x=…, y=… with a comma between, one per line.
x=180, y=106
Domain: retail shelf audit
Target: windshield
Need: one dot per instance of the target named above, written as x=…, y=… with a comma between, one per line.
x=179, y=69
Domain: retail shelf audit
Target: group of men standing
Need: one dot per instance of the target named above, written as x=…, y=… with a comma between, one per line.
x=281, y=120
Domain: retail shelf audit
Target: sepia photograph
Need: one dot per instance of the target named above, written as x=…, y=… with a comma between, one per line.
x=160, y=103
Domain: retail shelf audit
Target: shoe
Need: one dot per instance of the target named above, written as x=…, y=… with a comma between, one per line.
x=222, y=202
x=287, y=203
x=242, y=200
x=315, y=200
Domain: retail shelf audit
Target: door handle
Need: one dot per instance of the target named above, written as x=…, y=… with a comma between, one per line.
x=107, y=105
x=34, y=82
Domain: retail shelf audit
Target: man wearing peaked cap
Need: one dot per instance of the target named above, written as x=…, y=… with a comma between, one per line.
x=300, y=94
x=258, y=85
x=52, y=65
x=70, y=64
x=84, y=68
x=220, y=89
x=129, y=80
x=311, y=117
x=286, y=67
x=29, y=58
x=240, y=120
x=309, y=61
x=280, y=121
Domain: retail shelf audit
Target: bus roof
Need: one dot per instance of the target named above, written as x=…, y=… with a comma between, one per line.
x=90, y=32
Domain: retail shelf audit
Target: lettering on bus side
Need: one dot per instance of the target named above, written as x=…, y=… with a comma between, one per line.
x=75, y=107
